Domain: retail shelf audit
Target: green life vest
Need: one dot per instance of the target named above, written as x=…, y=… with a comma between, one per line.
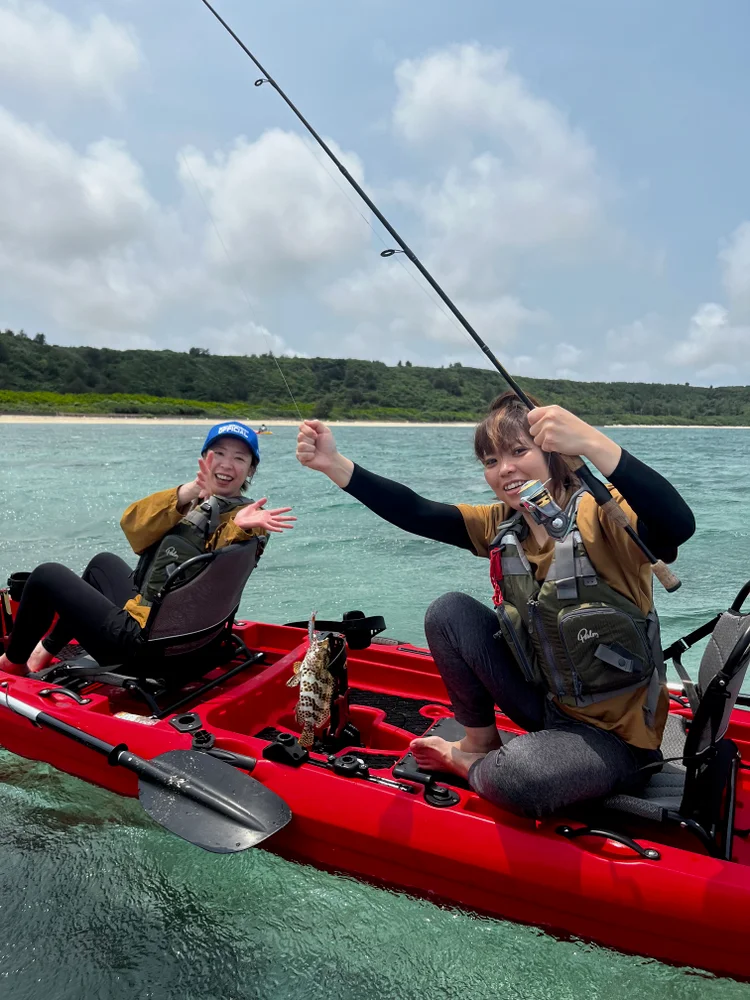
x=573, y=634
x=187, y=539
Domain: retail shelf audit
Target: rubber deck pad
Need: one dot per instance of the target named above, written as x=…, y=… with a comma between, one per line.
x=401, y=712
x=450, y=730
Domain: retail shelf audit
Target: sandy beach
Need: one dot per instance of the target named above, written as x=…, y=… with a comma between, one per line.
x=7, y=418
x=206, y=421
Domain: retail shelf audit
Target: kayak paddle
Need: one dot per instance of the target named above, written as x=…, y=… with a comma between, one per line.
x=204, y=800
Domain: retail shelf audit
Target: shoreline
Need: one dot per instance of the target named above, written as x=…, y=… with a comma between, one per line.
x=13, y=418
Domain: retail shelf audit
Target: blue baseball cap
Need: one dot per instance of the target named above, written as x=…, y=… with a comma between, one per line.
x=235, y=430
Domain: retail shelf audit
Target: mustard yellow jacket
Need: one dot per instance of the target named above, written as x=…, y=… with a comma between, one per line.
x=147, y=521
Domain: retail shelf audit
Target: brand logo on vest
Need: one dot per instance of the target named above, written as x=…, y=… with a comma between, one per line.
x=172, y=552
x=234, y=429
x=586, y=633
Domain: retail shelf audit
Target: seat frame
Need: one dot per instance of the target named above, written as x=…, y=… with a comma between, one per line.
x=144, y=676
x=704, y=801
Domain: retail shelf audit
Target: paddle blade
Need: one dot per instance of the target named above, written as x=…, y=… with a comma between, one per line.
x=210, y=803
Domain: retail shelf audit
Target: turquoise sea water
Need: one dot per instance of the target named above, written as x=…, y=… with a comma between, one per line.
x=96, y=901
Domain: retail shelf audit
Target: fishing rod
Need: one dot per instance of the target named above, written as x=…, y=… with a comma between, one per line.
x=575, y=463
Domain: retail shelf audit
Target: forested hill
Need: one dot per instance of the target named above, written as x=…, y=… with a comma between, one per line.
x=163, y=382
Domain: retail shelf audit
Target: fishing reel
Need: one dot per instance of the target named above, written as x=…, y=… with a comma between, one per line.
x=536, y=499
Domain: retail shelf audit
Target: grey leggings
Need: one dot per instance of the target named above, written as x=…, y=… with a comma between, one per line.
x=558, y=761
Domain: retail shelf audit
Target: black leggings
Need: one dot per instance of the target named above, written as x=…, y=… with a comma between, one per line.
x=558, y=761
x=90, y=609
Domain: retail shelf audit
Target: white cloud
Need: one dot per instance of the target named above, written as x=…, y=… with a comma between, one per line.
x=81, y=233
x=519, y=174
x=714, y=345
x=393, y=317
x=58, y=203
x=42, y=48
x=515, y=177
x=735, y=260
x=564, y=359
x=240, y=338
x=78, y=231
x=717, y=343
x=276, y=213
x=633, y=352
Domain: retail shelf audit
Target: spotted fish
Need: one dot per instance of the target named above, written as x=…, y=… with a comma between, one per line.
x=316, y=685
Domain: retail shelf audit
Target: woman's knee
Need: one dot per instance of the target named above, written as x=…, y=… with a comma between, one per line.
x=518, y=782
x=449, y=609
x=46, y=573
x=103, y=561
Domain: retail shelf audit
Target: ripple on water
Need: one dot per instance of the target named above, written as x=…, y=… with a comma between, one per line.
x=97, y=902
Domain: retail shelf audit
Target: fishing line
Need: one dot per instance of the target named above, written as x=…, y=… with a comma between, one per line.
x=235, y=275
x=404, y=248
x=575, y=463
x=387, y=252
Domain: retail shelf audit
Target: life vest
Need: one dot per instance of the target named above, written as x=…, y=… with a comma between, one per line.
x=573, y=634
x=187, y=539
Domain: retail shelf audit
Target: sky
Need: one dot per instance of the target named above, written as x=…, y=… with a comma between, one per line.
x=574, y=175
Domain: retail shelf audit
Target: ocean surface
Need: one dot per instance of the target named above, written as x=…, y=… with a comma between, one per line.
x=98, y=902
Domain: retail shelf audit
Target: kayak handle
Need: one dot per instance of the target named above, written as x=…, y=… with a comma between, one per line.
x=647, y=853
x=48, y=692
x=434, y=793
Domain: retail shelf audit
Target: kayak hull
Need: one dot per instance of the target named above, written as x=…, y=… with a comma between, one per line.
x=685, y=908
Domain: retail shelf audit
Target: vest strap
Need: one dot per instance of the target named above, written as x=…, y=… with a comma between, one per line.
x=617, y=656
x=515, y=566
x=564, y=566
x=652, y=699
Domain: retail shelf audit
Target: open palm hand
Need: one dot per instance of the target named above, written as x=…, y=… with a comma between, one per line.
x=253, y=516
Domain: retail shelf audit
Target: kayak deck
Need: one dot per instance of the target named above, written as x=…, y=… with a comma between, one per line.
x=685, y=907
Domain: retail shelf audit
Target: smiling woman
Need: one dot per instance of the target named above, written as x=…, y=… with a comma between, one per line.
x=571, y=651
x=107, y=608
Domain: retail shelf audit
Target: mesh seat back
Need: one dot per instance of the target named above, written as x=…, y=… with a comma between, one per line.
x=206, y=601
x=722, y=671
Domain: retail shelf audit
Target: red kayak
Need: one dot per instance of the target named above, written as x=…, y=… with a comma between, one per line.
x=655, y=888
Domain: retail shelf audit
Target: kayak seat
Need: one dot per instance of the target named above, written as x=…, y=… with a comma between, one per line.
x=188, y=632
x=696, y=785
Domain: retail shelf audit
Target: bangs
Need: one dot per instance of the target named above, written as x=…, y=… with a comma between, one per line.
x=503, y=429
x=507, y=425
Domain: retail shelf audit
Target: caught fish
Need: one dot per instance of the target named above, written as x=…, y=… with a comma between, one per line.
x=316, y=685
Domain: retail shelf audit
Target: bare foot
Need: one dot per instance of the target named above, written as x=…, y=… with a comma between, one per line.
x=11, y=668
x=40, y=658
x=480, y=740
x=434, y=754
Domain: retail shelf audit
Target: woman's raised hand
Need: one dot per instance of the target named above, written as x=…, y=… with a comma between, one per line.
x=316, y=449
x=556, y=429
x=204, y=481
x=252, y=516
x=201, y=487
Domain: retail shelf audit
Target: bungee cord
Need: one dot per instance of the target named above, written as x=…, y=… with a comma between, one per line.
x=575, y=463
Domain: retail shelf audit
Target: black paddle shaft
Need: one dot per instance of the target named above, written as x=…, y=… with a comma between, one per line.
x=221, y=809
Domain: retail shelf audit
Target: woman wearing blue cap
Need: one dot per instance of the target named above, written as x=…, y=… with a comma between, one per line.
x=105, y=609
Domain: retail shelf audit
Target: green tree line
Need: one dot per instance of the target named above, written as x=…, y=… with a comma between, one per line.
x=37, y=377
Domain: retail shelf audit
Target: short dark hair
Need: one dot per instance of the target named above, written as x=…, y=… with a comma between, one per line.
x=505, y=426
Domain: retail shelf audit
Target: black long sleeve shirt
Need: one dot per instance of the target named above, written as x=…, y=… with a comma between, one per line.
x=664, y=519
